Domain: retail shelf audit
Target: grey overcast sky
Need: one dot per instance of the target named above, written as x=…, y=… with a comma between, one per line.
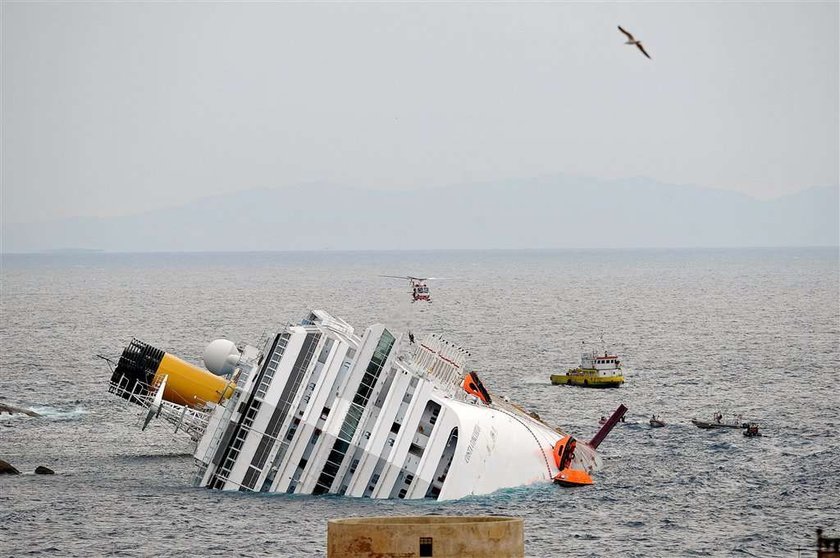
x=114, y=108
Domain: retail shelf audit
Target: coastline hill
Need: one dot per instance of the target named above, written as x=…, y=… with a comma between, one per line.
x=550, y=212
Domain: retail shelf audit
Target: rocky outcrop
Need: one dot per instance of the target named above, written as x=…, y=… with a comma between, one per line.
x=41, y=470
x=7, y=469
x=12, y=410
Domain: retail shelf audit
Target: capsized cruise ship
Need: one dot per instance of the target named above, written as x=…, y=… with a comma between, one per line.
x=318, y=409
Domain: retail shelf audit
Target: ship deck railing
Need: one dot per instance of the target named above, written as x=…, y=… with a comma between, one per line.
x=190, y=420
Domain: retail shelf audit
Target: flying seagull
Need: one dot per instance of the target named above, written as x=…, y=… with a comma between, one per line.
x=632, y=41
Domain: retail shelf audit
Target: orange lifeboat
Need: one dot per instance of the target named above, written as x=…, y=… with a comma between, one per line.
x=573, y=477
x=564, y=453
x=473, y=386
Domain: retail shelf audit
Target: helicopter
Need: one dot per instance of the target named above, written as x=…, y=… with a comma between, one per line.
x=419, y=289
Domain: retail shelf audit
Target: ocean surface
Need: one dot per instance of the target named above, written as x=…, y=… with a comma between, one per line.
x=755, y=332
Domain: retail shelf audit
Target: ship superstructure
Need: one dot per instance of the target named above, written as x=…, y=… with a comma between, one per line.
x=319, y=409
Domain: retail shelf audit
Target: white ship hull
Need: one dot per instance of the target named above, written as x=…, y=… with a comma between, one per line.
x=320, y=410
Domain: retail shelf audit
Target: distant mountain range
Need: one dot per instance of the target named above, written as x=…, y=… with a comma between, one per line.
x=555, y=212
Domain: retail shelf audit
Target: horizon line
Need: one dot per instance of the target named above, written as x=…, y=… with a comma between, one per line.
x=103, y=252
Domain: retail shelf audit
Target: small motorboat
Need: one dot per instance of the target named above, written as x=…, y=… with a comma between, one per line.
x=656, y=422
x=718, y=422
x=751, y=431
x=711, y=425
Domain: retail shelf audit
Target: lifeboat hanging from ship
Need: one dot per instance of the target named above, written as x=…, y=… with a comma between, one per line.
x=570, y=474
x=564, y=454
x=473, y=386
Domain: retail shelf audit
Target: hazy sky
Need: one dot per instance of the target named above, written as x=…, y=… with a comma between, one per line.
x=114, y=108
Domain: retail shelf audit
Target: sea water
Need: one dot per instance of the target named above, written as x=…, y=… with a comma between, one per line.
x=754, y=332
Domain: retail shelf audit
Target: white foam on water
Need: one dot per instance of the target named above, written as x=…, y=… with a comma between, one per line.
x=53, y=413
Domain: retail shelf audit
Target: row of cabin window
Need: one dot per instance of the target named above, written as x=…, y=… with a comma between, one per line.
x=605, y=361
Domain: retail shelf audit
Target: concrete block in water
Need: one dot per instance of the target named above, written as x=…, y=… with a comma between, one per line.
x=431, y=535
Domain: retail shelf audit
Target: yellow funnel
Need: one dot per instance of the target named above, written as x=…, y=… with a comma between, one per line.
x=190, y=385
x=142, y=368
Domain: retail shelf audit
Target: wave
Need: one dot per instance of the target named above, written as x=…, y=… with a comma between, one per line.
x=47, y=412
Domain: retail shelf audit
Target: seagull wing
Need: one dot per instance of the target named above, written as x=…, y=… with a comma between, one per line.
x=629, y=36
x=643, y=50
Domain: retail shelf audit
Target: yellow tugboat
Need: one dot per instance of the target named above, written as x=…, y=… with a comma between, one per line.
x=595, y=371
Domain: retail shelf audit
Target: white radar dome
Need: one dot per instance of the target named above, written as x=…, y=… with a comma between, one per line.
x=221, y=356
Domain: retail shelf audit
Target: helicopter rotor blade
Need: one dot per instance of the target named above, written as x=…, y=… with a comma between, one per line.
x=412, y=278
